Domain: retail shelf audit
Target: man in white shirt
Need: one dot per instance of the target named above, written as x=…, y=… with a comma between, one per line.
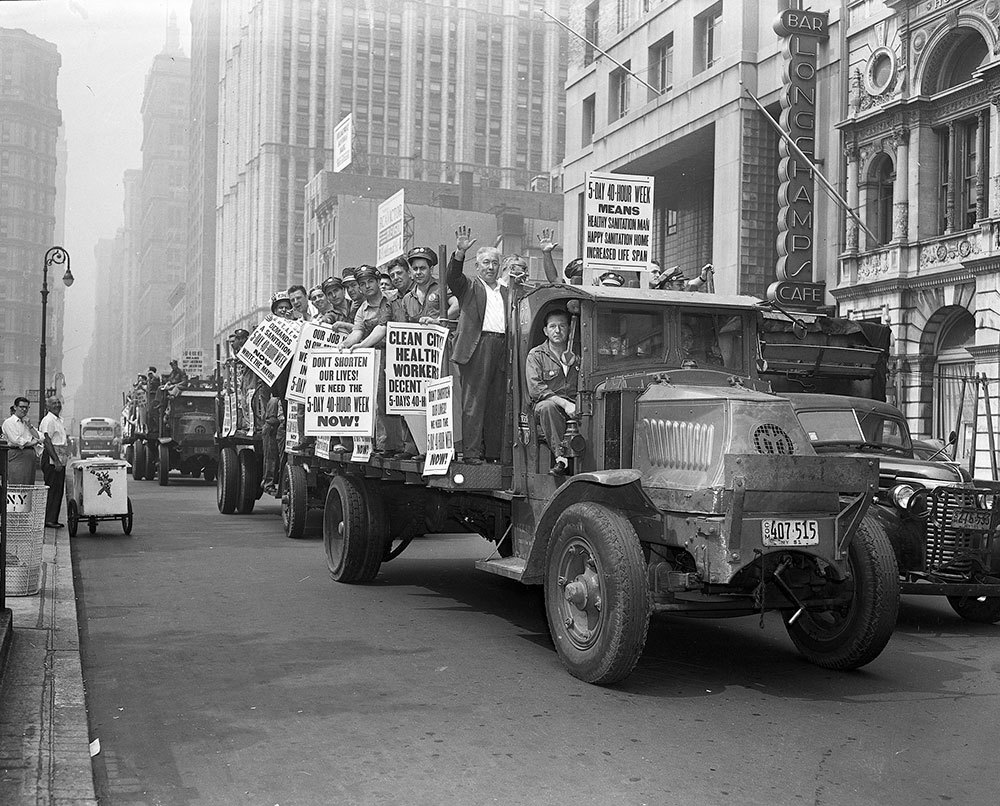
x=24, y=444
x=54, y=459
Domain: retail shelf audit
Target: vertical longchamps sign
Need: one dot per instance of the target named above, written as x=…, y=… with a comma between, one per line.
x=802, y=31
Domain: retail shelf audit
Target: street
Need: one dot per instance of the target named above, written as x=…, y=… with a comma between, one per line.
x=223, y=666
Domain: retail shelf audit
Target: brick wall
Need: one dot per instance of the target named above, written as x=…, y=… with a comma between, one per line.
x=759, y=188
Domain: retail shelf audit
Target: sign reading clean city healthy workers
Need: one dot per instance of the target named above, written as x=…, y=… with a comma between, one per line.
x=270, y=347
x=340, y=393
x=390, y=229
x=618, y=221
x=412, y=358
x=193, y=363
x=343, y=137
x=311, y=337
x=440, y=427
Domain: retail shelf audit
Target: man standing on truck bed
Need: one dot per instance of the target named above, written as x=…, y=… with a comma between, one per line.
x=552, y=371
x=480, y=347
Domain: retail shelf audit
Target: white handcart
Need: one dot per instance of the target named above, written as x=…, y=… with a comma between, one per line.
x=97, y=490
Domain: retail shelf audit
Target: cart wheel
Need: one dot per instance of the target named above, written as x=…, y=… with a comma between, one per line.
x=294, y=501
x=72, y=517
x=138, y=460
x=92, y=524
x=127, y=519
x=163, y=473
x=228, y=480
x=249, y=482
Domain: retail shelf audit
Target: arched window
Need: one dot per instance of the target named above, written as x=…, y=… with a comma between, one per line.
x=954, y=362
x=880, y=180
x=960, y=54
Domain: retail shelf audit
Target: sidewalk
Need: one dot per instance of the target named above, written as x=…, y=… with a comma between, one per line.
x=44, y=742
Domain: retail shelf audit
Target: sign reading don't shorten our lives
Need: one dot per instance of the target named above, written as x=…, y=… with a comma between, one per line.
x=413, y=355
x=340, y=393
x=270, y=347
x=312, y=337
x=440, y=427
x=618, y=222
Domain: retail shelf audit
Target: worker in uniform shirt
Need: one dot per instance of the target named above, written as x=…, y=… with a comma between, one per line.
x=339, y=315
x=320, y=304
x=351, y=288
x=552, y=371
x=480, y=348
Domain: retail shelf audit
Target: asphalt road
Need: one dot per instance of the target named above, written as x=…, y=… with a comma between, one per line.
x=223, y=666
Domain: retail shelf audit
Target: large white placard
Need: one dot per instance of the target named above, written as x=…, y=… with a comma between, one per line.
x=340, y=389
x=413, y=356
x=440, y=431
x=311, y=337
x=390, y=229
x=193, y=363
x=343, y=137
x=292, y=425
x=618, y=223
x=270, y=347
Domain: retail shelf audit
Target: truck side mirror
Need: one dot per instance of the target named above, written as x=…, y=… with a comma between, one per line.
x=953, y=437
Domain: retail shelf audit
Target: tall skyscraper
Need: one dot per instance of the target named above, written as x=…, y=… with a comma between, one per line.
x=436, y=89
x=29, y=128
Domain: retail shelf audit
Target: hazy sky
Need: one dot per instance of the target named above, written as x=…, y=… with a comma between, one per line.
x=107, y=47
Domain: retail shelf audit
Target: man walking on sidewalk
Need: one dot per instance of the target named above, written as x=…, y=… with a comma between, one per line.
x=54, y=459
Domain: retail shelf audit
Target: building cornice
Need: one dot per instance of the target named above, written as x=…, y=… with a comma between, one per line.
x=956, y=276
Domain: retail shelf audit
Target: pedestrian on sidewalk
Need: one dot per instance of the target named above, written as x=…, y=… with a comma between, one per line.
x=24, y=442
x=54, y=459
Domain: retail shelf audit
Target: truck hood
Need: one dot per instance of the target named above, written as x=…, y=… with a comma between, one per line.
x=898, y=469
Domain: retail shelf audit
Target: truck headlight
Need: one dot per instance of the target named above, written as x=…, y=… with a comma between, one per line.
x=910, y=498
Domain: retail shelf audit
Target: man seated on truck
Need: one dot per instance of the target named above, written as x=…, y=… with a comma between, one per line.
x=552, y=370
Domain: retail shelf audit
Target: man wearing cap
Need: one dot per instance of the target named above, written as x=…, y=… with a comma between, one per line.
x=281, y=305
x=320, y=304
x=611, y=280
x=552, y=373
x=339, y=315
x=480, y=348
x=422, y=302
x=352, y=290
x=246, y=381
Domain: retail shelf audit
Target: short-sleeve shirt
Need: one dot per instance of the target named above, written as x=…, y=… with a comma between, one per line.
x=370, y=317
x=409, y=308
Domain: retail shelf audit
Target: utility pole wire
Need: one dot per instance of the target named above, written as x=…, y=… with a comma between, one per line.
x=602, y=52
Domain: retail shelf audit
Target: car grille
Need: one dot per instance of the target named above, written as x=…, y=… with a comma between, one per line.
x=960, y=527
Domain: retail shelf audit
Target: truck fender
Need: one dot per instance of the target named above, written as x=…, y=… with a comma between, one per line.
x=617, y=489
x=165, y=440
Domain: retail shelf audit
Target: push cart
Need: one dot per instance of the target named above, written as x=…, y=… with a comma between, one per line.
x=97, y=490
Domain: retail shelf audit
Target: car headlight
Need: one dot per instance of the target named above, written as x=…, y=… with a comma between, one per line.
x=910, y=498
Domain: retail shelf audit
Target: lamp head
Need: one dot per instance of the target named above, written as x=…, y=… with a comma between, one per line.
x=68, y=277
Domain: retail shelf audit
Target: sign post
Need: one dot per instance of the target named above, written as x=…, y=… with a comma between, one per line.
x=390, y=229
x=618, y=224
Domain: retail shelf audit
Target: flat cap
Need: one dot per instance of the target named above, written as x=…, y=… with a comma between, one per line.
x=423, y=252
x=349, y=273
x=332, y=282
x=610, y=278
x=241, y=333
x=366, y=272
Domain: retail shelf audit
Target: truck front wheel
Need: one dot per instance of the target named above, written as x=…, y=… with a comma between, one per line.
x=249, y=483
x=596, y=597
x=985, y=611
x=850, y=637
x=138, y=460
x=354, y=533
x=163, y=471
x=294, y=501
x=228, y=480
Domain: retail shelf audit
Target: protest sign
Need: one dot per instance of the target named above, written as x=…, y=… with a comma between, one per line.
x=311, y=337
x=618, y=219
x=362, y=449
x=340, y=392
x=440, y=435
x=292, y=425
x=343, y=136
x=390, y=229
x=412, y=358
x=270, y=347
x=322, y=446
x=193, y=363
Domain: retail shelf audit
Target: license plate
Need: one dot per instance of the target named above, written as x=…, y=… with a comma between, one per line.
x=971, y=519
x=798, y=532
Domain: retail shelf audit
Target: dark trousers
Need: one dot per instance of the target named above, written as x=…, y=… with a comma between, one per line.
x=552, y=420
x=484, y=387
x=55, y=478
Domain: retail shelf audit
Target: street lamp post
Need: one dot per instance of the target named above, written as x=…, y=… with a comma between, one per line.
x=55, y=256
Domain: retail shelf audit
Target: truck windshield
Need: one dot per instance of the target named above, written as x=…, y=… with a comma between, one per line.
x=629, y=335
x=199, y=405
x=99, y=432
x=856, y=429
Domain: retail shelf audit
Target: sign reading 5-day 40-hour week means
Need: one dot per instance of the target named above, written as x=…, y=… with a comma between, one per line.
x=618, y=213
x=412, y=358
x=193, y=363
x=343, y=136
x=340, y=393
x=390, y=229
x=312, y=337
x=270, y=347
x=440, y=427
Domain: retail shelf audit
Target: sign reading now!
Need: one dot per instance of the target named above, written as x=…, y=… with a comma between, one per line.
x=340, y=393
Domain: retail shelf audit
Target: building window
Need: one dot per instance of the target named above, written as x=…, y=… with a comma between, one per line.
x=708, y=38
x=591, y=30
x=661, y=66
x=589, y=120
x=880, y=184
x=670, y=222
x=959, y=168
x=618, y=92
x=621, y=14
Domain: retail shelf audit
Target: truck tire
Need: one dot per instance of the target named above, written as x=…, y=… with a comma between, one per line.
x=163, y=470
x=228, y=481
x=354, y=534
x=150, y=472
x=855, y=635
x=139, y=460
x=971, y=609
x=596, y=596
x=294, y=502
x=249, y=482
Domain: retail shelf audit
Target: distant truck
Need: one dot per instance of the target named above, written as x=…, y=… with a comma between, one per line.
x=695, y=491
x=187, y=432
x=99, y=436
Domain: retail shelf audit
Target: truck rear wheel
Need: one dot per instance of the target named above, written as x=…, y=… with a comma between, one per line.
x=971, y=608
x=163, y=471
x=228, y=481
x=596, y=596
x=150, y=472
x=249, y=482
x=854, y=635
x=294, y=501
x=354, y=533
x=139, y=460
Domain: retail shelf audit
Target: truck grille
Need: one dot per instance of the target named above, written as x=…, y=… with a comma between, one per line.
x=679, y=445
x=960, y=527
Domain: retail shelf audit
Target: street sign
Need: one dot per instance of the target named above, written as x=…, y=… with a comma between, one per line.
x=618, y=223
x=343, y=138
x=390, y=229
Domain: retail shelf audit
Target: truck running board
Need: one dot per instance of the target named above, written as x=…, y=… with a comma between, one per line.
x=512, y=567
